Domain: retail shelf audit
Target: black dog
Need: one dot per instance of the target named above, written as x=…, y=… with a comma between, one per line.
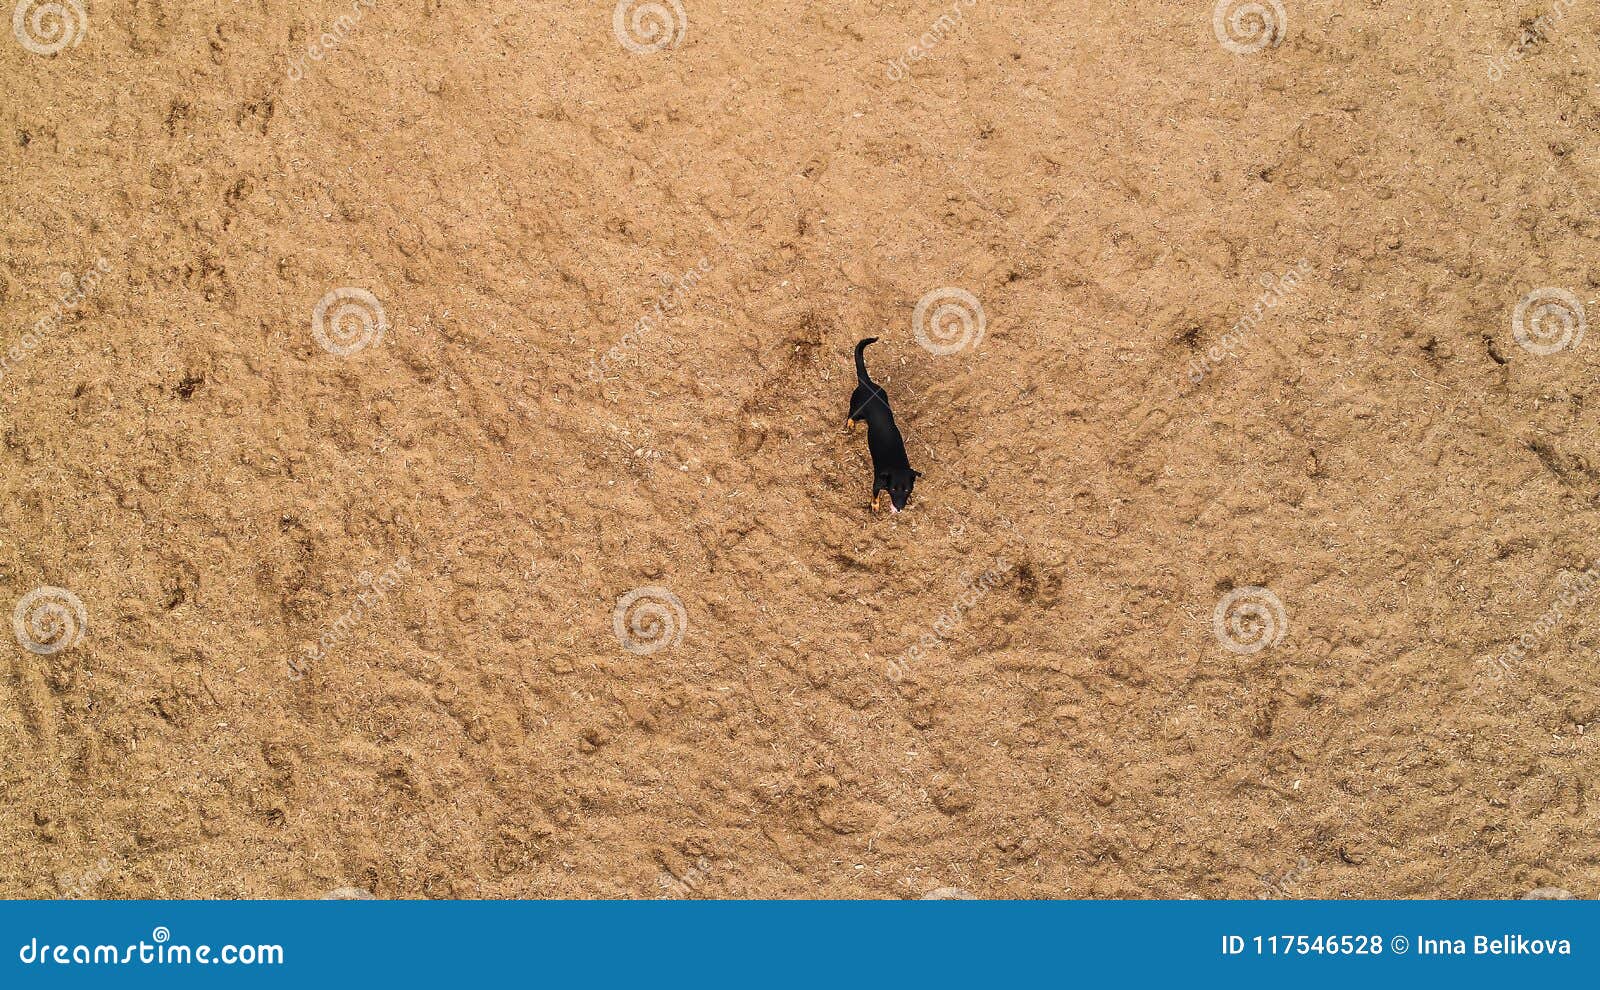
x=891, y=470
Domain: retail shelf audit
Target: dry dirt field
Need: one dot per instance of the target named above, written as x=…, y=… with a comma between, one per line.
x=422, y=472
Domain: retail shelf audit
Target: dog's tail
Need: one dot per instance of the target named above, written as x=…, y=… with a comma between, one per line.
x=861, y=361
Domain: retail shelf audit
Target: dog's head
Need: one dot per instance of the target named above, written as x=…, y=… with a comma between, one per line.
x=900, y=484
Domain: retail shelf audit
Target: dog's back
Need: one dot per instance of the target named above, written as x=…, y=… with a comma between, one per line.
x=867, y=392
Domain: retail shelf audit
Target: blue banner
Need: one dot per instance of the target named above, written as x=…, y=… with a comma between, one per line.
x=811, y=944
